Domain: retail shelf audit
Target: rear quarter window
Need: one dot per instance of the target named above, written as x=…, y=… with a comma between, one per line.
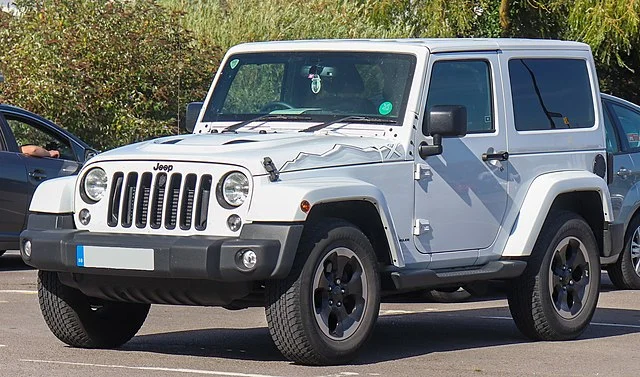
x=551, y=94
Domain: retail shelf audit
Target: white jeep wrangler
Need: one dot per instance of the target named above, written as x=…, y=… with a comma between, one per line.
x=322, y=175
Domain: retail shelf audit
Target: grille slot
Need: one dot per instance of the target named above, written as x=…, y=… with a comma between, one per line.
x=142, y=212
x=159, y=200
x=173, y=197
x=129, y=199
x=202, y=205
x=114, y=199
x=188, y=196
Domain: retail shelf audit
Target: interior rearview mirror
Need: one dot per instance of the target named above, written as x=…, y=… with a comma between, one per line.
x=193, y=110
x=442, y=121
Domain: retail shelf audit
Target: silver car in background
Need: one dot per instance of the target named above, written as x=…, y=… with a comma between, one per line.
x=622, y=121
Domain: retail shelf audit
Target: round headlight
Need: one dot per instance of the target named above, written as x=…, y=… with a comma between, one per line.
x=95, y=184
x=235, y=189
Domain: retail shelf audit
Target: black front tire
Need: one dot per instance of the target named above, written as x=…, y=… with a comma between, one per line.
x=81, y=321
x=625, y=273
x=557, y=294
x=324, y=312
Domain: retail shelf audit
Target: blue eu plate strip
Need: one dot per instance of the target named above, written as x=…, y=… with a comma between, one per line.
x=80, y=256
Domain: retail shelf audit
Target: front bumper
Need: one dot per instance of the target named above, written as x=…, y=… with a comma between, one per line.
x=56, y=246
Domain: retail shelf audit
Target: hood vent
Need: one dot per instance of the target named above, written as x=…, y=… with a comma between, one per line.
x=174, y=141
x=239, y=141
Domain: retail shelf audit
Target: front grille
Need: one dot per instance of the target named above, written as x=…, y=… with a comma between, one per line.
x=159, y=200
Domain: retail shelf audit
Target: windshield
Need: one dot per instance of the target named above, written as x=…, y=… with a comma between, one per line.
x=321, y=85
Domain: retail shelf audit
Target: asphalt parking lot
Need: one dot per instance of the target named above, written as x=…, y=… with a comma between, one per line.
x=415, y=339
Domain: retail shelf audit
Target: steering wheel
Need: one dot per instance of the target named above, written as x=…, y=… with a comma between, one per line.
x=275, y=105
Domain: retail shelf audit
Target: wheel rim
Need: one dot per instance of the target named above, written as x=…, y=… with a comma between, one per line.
x=339, y=293
x=569, y=277
x=635, y=251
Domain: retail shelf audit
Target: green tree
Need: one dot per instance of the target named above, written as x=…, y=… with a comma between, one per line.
x=112, y=72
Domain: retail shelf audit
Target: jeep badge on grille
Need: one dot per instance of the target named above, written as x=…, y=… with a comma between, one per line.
x=166, y=168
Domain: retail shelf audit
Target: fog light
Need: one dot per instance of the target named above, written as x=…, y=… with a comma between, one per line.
x=27, y=248
x=249, y=259
x=84, y=216
x=234, y=222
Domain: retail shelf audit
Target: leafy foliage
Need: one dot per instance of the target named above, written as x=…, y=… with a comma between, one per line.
x=122, y=70
x=112, y=72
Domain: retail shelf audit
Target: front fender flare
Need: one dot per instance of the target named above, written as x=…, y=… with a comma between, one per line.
x=54, y=195
x=280, y=202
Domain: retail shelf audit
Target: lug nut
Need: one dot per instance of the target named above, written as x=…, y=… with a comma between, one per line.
x=339, y=304
x=330, y=302
x=342, y=291
x=338, y=281
x=330, y=289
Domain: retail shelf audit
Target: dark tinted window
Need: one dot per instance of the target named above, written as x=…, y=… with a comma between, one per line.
x=551, y=94
x=466, y=83
x=612, y=139
x=630, y=123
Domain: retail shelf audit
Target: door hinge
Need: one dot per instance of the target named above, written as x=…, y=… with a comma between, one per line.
x=421, y=226
x=421, y=171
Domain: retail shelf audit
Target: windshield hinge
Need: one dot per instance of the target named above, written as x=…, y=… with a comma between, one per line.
x=270, y=167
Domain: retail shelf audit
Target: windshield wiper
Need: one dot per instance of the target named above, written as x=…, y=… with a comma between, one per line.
x=265, y=118
x=350, y=119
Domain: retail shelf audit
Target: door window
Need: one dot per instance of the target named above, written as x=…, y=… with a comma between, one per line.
x=466, y=83
x=630, y=122
x=612, y=137
x=551, y=94
x=27, y=132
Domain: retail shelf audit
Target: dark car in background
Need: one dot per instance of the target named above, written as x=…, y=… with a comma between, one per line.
x=20, y=174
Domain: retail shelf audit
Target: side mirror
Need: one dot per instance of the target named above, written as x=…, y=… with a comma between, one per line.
x=442, y=121
x=193, y=110
x=89, y=153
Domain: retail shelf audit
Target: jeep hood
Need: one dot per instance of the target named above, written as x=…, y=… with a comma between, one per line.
x=289, y=152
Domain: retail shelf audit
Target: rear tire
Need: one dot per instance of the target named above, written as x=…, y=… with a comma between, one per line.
x=81, y=321
x=325, y=310
x=557, y=294
x=625, y=273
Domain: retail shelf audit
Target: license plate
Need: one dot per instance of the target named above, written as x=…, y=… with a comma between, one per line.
x=121, y=258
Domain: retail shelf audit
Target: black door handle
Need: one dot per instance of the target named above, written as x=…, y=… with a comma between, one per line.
x=500, y=156
x=38, y=175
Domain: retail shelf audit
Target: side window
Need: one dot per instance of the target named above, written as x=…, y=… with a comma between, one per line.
x=612, y=138
x=29, y=133
x=255, y=86
x=551, y=94
x=466, y=83
x=630, y=123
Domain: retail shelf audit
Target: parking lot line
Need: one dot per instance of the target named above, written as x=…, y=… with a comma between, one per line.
x=592, y=323
x=21, y=291
x=157, y=369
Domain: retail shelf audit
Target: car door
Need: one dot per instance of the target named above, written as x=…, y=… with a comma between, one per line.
x=14, y=189
x=626, y=163
x=462, y=193
x=29, y=131
x=624, y=176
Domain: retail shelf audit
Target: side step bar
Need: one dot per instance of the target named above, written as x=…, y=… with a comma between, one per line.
x=411, y=279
